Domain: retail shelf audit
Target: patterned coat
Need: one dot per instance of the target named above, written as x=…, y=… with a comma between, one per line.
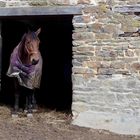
x=28, y=76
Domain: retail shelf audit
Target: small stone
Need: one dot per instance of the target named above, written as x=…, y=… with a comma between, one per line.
x=83, y=1
x=14, y=116
x=29, y=115
x=136, y=66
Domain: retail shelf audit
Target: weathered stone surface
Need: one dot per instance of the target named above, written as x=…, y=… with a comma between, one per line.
x=84, y=36
x=129, y=53
x=103, y=36
x=83, y=70
x=118, y=65
x=2, y=4
x=115, y=87
x=128, y=59
x=137, y=52
x=136, y=66
x=79, y=80
x=90, y=9
x=106, y=53
x=115, y=91
x=91, y=64
x=78, y=25
x=109, y=94
x=50, y=2
x=121, y=123
x=78, y=19
x=85, y=48
x=87, y=18
x=105, y=64
x=21, y=3
x=111, y=28
x=39, y=11
x=83, y=1
x=106, y=71
x=81, y=58
x=96, y=27
x=78, y=43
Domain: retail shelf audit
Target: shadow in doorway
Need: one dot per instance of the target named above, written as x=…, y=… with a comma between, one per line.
x=56, y=49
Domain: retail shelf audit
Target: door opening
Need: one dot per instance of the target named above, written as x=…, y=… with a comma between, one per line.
x=56, y=49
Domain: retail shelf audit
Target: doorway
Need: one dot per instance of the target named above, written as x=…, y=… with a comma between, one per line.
x=56, y=49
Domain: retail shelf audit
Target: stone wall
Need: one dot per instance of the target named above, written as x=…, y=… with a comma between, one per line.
x=106, y=66
x=106, y=69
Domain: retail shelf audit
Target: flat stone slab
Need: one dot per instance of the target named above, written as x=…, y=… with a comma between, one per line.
x=118, y=123
x=42, y=11
x=127, y=8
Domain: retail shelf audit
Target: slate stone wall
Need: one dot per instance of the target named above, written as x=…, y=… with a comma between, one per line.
x=103, y=62
x=106, y=69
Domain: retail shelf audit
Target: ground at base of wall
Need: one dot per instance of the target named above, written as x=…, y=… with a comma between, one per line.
x=50, y=125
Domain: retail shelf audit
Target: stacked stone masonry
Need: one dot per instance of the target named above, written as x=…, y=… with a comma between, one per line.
x=106, y=72
x=106, y=67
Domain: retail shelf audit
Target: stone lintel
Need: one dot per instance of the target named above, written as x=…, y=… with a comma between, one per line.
x=40, y=11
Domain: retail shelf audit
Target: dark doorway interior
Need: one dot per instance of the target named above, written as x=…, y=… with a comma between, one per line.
x=56, y=49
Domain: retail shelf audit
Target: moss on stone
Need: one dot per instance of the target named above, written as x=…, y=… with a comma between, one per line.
x=45, y=3
x=2, y=4
x=136, y=23
x=38, y=3
x=103, y=8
